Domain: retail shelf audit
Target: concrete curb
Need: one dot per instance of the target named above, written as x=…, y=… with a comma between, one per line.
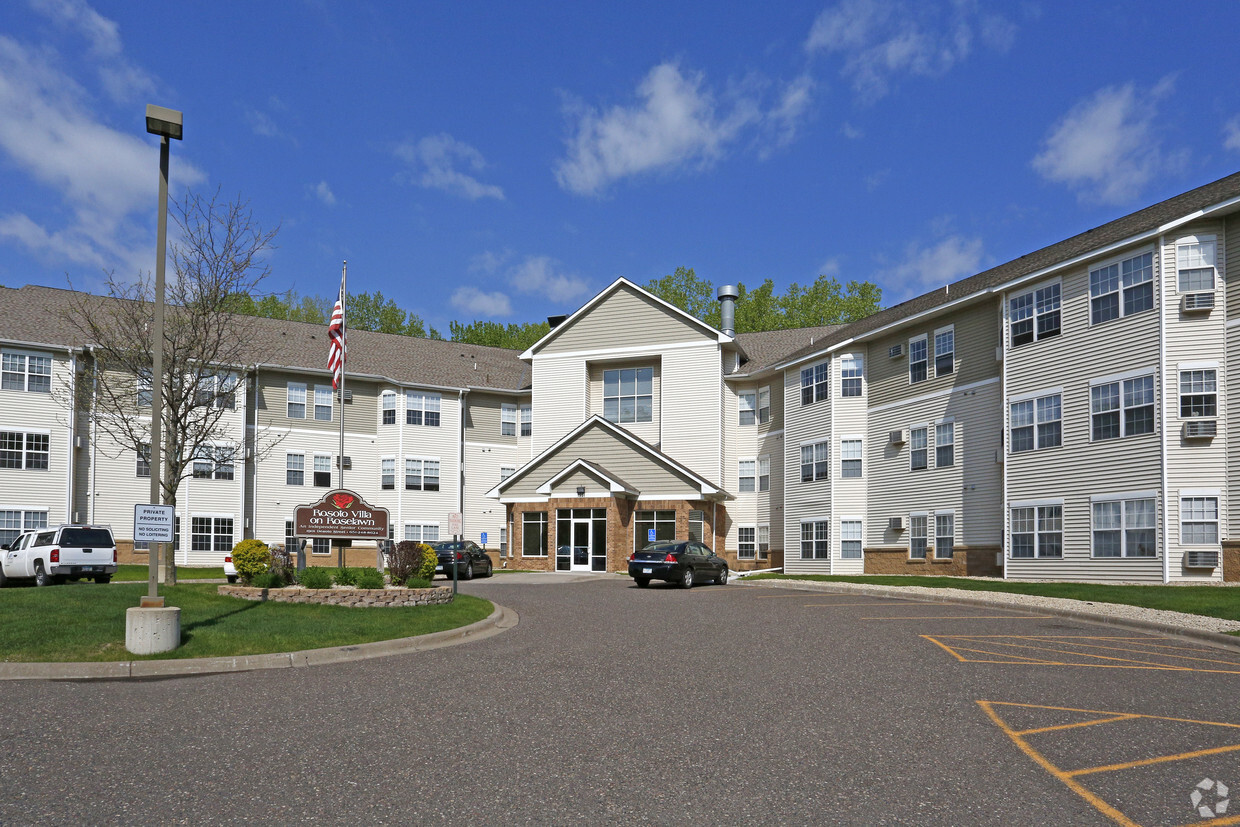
x=500, y=620
x=1214, y=639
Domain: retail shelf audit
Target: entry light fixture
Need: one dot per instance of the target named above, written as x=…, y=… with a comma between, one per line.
x=581, y=491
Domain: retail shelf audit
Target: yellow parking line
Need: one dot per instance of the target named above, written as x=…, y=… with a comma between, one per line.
x=1025, y=732
x=1042, y=661
x=1160, y=654
x=1090, y=655
x=962, y=617
x=1162, y=759
x=946, y=648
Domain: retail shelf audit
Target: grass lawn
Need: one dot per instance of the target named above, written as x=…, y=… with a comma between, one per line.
x=86, y=622
x=140, y=572
x=1212, y=601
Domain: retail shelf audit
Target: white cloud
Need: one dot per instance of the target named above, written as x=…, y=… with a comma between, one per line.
x=103, y=176
x=121, y=79
x=851, y=132
x=478, y=303
x=1106, y=147
x=1231, y=134
x=489, y=262
x=880, y=40
x=677, y=123
x=927, y=268
x=434, y=161
x=323, y=192
x=538, y=274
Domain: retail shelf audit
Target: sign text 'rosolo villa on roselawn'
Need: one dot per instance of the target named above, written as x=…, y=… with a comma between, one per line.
x=341, y=515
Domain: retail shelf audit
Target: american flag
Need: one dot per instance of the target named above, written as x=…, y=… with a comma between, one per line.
x=338, y=348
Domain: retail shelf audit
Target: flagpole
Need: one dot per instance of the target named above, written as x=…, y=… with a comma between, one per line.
x=344, y=326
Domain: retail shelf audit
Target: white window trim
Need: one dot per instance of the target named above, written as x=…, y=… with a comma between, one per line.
x=928, y=515
x=914, y=427
x=934, y=515
x=801, y=465
x=849, y=518
x=397, y=472
x=945, y=329
x=1035, y=505
x=1218, y=521
x=754, y=553
x=404, y=472
x=922, y=338
x=739, y=476
x=852, y=438
x=1197, y=239
x=767, y=390
x=1119, y=259
x=947, y=420
x=1031, y=291
x=759, y=475
x=288, y=400
x=1123, y=529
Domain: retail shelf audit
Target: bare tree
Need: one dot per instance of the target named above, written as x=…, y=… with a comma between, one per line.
x=219, y=256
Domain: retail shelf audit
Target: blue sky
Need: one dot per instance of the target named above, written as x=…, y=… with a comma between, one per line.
x=506, y=161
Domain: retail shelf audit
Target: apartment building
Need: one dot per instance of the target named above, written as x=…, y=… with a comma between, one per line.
x=1060, y=416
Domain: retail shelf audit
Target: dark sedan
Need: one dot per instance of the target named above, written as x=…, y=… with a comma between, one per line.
x=470, y=559
x=683, y=563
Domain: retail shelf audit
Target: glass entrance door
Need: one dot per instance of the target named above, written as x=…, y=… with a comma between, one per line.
x=581, y=544
x=581, y=539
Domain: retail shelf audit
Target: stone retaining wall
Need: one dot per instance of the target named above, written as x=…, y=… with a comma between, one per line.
x=344, y=597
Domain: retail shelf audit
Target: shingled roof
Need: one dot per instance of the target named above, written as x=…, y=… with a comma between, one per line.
x=768, y=347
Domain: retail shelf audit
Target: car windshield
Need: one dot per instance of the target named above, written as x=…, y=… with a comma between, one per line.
x=664, y=547
x=85, y=537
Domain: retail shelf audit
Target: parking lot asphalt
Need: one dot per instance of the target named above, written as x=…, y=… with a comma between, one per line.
x=611, y=704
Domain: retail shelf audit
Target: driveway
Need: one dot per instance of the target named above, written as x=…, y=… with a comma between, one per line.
x=610, y=704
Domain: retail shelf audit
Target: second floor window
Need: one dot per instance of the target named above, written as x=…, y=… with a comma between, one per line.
x=628, y=395
x=387, y=473
x=1036, y=423
x=815, y=384
x=527, y=419
x=389, y=407
x=814, y=464
x=851, y=369
x=764, y=405
x=944, y=444
x=1121, y=288
x=322, y=470
x=25, y=372
x=294, y=469
x=296, y=400
x=422, y=408
x=507, y=420
x=918, y=443
x=323, y=403
x=421, y=474
x=850, y=458
x=24, y=450
x=1122, y=408
x=1198, y=393
x=944, y=351
x=748, y=401
x=917, y=360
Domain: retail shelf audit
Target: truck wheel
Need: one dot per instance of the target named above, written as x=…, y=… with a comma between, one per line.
x=3, y=580
x=41, y=577
x=232, y=578
x=103, y=579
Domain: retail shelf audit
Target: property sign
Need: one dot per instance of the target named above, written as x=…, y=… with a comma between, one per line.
x=154, y=523
x=341, y=514
x=454, y=523
x=484, y=538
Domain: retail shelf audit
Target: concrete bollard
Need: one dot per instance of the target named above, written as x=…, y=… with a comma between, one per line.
x=151, y=631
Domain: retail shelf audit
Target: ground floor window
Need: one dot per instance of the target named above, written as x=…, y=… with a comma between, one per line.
x=697, y=526
x=850, y=539
x=16, y=521
x=211, y=534
x=581, y=538
x=1124, y=528
x=746, y=542
x=663, y=523
x=917, y=536
x=1037, y=531
x=1199, y=521
x=534, y=534
x=421, y=533
x=764, y=541
x=944, y=536
x=815, y=540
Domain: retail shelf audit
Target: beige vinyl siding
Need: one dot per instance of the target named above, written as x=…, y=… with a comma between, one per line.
x=361, y=415
x=40, y=413
x=482, y=469
x=482, y=418
x=646, y=431
x=803, y=500
x=690, y=412
x=560, y=399
x=850, y=495
x=1230, y=250
x=621, y=320
x=601, y=447
x=1192, y=338
x=1081, y=468
x=593, y=484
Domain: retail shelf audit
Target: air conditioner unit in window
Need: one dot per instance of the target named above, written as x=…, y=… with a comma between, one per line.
x=895, y=523
x=348, y=396
x=1198, y=302
x=897, y=437
x=348, y=463
x=895, y=351
x=1200, y=429
x=1201, y=559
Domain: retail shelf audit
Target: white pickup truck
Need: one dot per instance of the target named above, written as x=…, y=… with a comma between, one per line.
x=54, y=555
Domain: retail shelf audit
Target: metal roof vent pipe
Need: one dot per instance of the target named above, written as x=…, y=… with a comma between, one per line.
x=728, y=294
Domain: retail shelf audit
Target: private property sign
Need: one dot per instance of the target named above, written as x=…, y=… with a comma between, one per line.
x=153, y=523
x=341, y=515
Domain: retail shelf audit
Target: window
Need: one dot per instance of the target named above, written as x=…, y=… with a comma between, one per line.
x=423, y=408
x=917, y=360
x=290, y=539
x=296, y=400
x=1198, y=393
x=223, y=456
x=628, y=395
x=144, y=461
x=944, y=444
x=389, y=407
x=850, y=539
x=748, y=403
x=697, y=523
x=421, y=474
x=814, y=465
x=1034, y=316
x=850, y=458
x=1036, y=423
x=815, y=384
x=320, y=546
x=387, y=474
x=19, y=449
x=507, y=419
x=422, y=533
x=764, y=405
x=145, y=389
x=944, y=351
x=527, y=419
x=944, y=536
x=917, y=536
x=534, y=534
x=16, y=521
x=746, y=542
x=294, y=469
x=1121, y=288
x=1198, y=521
x=1124, y=528
x=218, y=390
x=323, y=470
x=1194, y=261
x=815, y=540
x=748, y=475
x=25, y=372
x=764, y=541
x=851, y=369
x=215, y=461
x=1037, y=531
x=1122, y=408
x=764, y=473
x=663, y=523
x=323, y=403
x=211, y=534
x=506, y=471
x=918, y=457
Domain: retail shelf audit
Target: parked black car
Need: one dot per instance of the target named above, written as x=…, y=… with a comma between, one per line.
x=684, y=563
x=471, y=560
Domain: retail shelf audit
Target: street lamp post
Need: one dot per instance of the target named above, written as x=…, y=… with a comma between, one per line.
x=167, y=124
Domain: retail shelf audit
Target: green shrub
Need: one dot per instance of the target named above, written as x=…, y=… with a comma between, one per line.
x=370, y=579
x=251, y=557
x=404, y=560
x=271, y=579
x=315, y=577
x=345, y=576
x=429, y=561
x=417, y=583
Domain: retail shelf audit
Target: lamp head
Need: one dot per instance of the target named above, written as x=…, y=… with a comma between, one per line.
x=163, y=121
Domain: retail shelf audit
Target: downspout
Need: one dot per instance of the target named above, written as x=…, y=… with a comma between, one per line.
x=832, y=450
x=72, y=436
x=90, y=477
x=460, y=459
x=1003, y=438
x=1162, y=376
